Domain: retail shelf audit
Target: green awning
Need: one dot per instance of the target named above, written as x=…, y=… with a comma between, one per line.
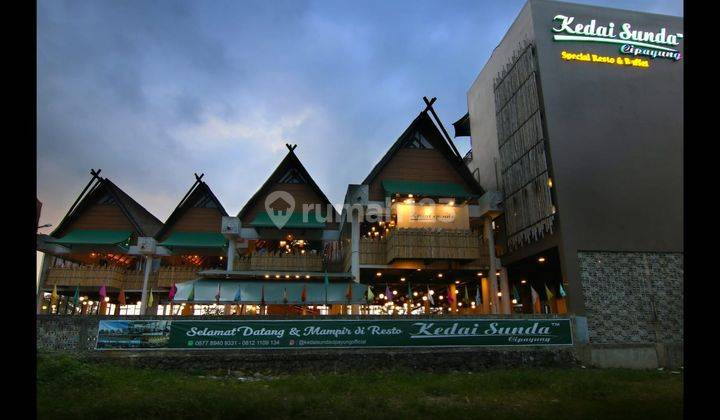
x=295, y=221
x=427, y=189
x=94, y=237
x=195, y=240
x=251, y=292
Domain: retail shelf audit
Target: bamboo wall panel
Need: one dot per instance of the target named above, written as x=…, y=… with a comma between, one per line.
x=373, y=251
x=523, y=155
x=433, y=244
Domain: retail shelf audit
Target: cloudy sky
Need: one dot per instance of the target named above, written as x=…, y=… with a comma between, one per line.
x=152, y=91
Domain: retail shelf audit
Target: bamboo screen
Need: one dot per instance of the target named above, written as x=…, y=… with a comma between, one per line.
x=524, y=171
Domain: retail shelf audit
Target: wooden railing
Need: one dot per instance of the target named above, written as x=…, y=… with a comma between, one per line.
x=85, y=276
x=285, y=262
x=167, y=276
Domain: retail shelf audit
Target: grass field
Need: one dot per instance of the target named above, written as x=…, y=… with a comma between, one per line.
x=68, y=388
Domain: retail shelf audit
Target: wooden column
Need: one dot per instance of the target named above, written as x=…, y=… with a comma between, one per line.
x=453, y=305
x=485, y=290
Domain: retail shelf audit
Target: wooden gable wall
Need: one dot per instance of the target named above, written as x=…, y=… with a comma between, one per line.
x=424, y=165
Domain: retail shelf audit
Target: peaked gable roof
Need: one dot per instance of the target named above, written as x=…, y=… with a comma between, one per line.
x=290, y=161
x=198, y=191
x=425, y=125
x=144, y=222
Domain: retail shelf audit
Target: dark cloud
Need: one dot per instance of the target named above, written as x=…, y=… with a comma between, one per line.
x=152, y=91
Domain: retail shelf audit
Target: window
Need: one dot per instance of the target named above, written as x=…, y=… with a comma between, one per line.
x=417, y=141
x=293, y=177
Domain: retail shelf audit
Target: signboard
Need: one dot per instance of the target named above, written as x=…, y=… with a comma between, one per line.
x=630, y=40
x=330, y=333
x=432, y=216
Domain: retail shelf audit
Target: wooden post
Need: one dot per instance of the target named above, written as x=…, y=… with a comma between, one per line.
x=453, y=305
x=485, y=289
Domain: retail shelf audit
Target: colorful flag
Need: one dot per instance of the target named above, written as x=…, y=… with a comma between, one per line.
x=54, y=296
x=451, y=295
x=534, y=295
x=121, y=297
x=370, y=294
x=285, y=295
x=262, y=295
x=76, y=298
x=348, y=294
x=388, y=295
x=238, y=294
x=150, y=299
x=303, y=295
x=548, y=293
x=467, y=297
x=191, y=296
x=478, y=296
x=409, y=293
x=103, y=292
x=172, y=292
x=430, y=296
x=516, y=294
x=217, y=295
x=562, y=291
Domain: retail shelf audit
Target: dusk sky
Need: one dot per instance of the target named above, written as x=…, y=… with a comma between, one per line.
x=152, y=91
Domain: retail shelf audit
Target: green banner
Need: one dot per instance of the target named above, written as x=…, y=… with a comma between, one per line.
x=330, y=333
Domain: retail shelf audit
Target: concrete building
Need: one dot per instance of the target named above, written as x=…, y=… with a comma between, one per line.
x=577, y=119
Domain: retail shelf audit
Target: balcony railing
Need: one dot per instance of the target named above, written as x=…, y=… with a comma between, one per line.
x=115, y=277
x=279, y=261
x=462, y=245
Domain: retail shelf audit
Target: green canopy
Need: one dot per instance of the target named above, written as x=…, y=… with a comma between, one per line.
x=428, y=189
x=295, y=220
x=251, y=292
x=195, y=240
x=94, y=237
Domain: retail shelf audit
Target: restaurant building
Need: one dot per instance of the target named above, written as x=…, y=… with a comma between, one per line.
x=576, y=123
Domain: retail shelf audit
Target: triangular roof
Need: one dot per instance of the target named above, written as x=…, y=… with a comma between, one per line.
x=198, y=191
x=144, y=222
x=290, y=161
x=425, y=125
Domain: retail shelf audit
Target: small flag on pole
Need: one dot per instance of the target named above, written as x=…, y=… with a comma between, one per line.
x=409, y=293
x=238, y=294
x=451, y=295
x=548, y=293
x=172, y=292
x=191, y=296
x=303, y=295
x=388, y=296
x=516, y=294
x=562, y=291
x=430, y=296
x=285, y=295
x=76, y=297
x=478, y=296
x=103, y=292
x=370, y=294
x=467, y=297
x=217, y=294
x=348, y=294
x=121, y=297
x=150, y=299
